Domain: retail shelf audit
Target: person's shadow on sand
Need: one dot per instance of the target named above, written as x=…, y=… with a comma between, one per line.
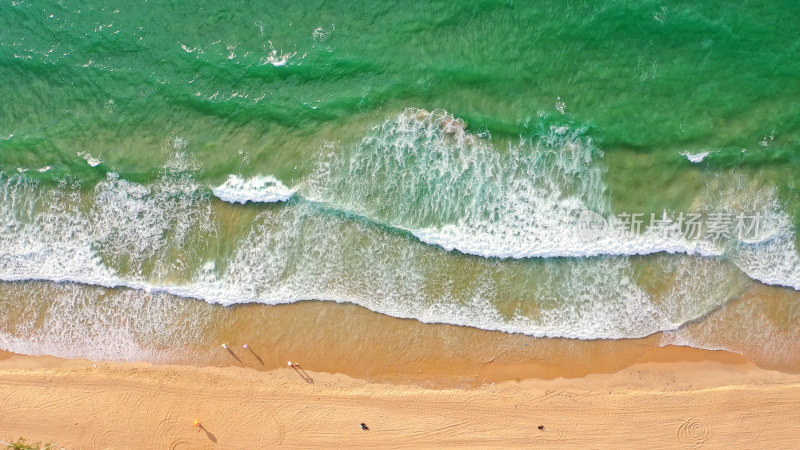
x=232, y=354
x=209, y=434
x=306, y=377
x=260, y=361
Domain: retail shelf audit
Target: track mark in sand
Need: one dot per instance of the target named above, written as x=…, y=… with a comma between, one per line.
x=436, y=432
x=166, y=429
x=693, y=433
x=559, y=434
x=260, y=415
x=178, y=444
x=749, y=425
x=279, y=430
x=550, y=393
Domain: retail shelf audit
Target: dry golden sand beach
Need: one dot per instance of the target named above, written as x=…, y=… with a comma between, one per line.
x=669, y=398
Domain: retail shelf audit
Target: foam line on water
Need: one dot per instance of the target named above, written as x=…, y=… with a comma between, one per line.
x=295, y=254
x=565, y=243
x=421, y=172
x=695, y=157
x=425, y=173
x=259, y=189
x=79, y=321
x=762, y=324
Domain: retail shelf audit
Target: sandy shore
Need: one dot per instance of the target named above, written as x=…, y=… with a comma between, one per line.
x=677, y=402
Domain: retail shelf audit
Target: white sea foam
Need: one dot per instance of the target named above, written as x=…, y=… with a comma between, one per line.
x=277, y=57
x=423, y=172
x=761, y=324
x=91, y=160
x=299, y=254
x=78, y=321
x=320, y=34
x=566, y=241
x=773, y=262
x=135, y=235
x=259, y=189
x=772, y=257
x=695, y=157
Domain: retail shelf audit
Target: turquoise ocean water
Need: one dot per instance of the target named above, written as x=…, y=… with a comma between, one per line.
x=432, y=161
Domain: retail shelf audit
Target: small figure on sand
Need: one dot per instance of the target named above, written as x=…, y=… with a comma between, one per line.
x=306, y=377
x=541, y=427
x=364, y=426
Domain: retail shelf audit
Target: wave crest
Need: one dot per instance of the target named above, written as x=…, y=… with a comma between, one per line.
x=259, y=189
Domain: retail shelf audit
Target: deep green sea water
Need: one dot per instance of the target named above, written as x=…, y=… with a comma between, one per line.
x=429, y=160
